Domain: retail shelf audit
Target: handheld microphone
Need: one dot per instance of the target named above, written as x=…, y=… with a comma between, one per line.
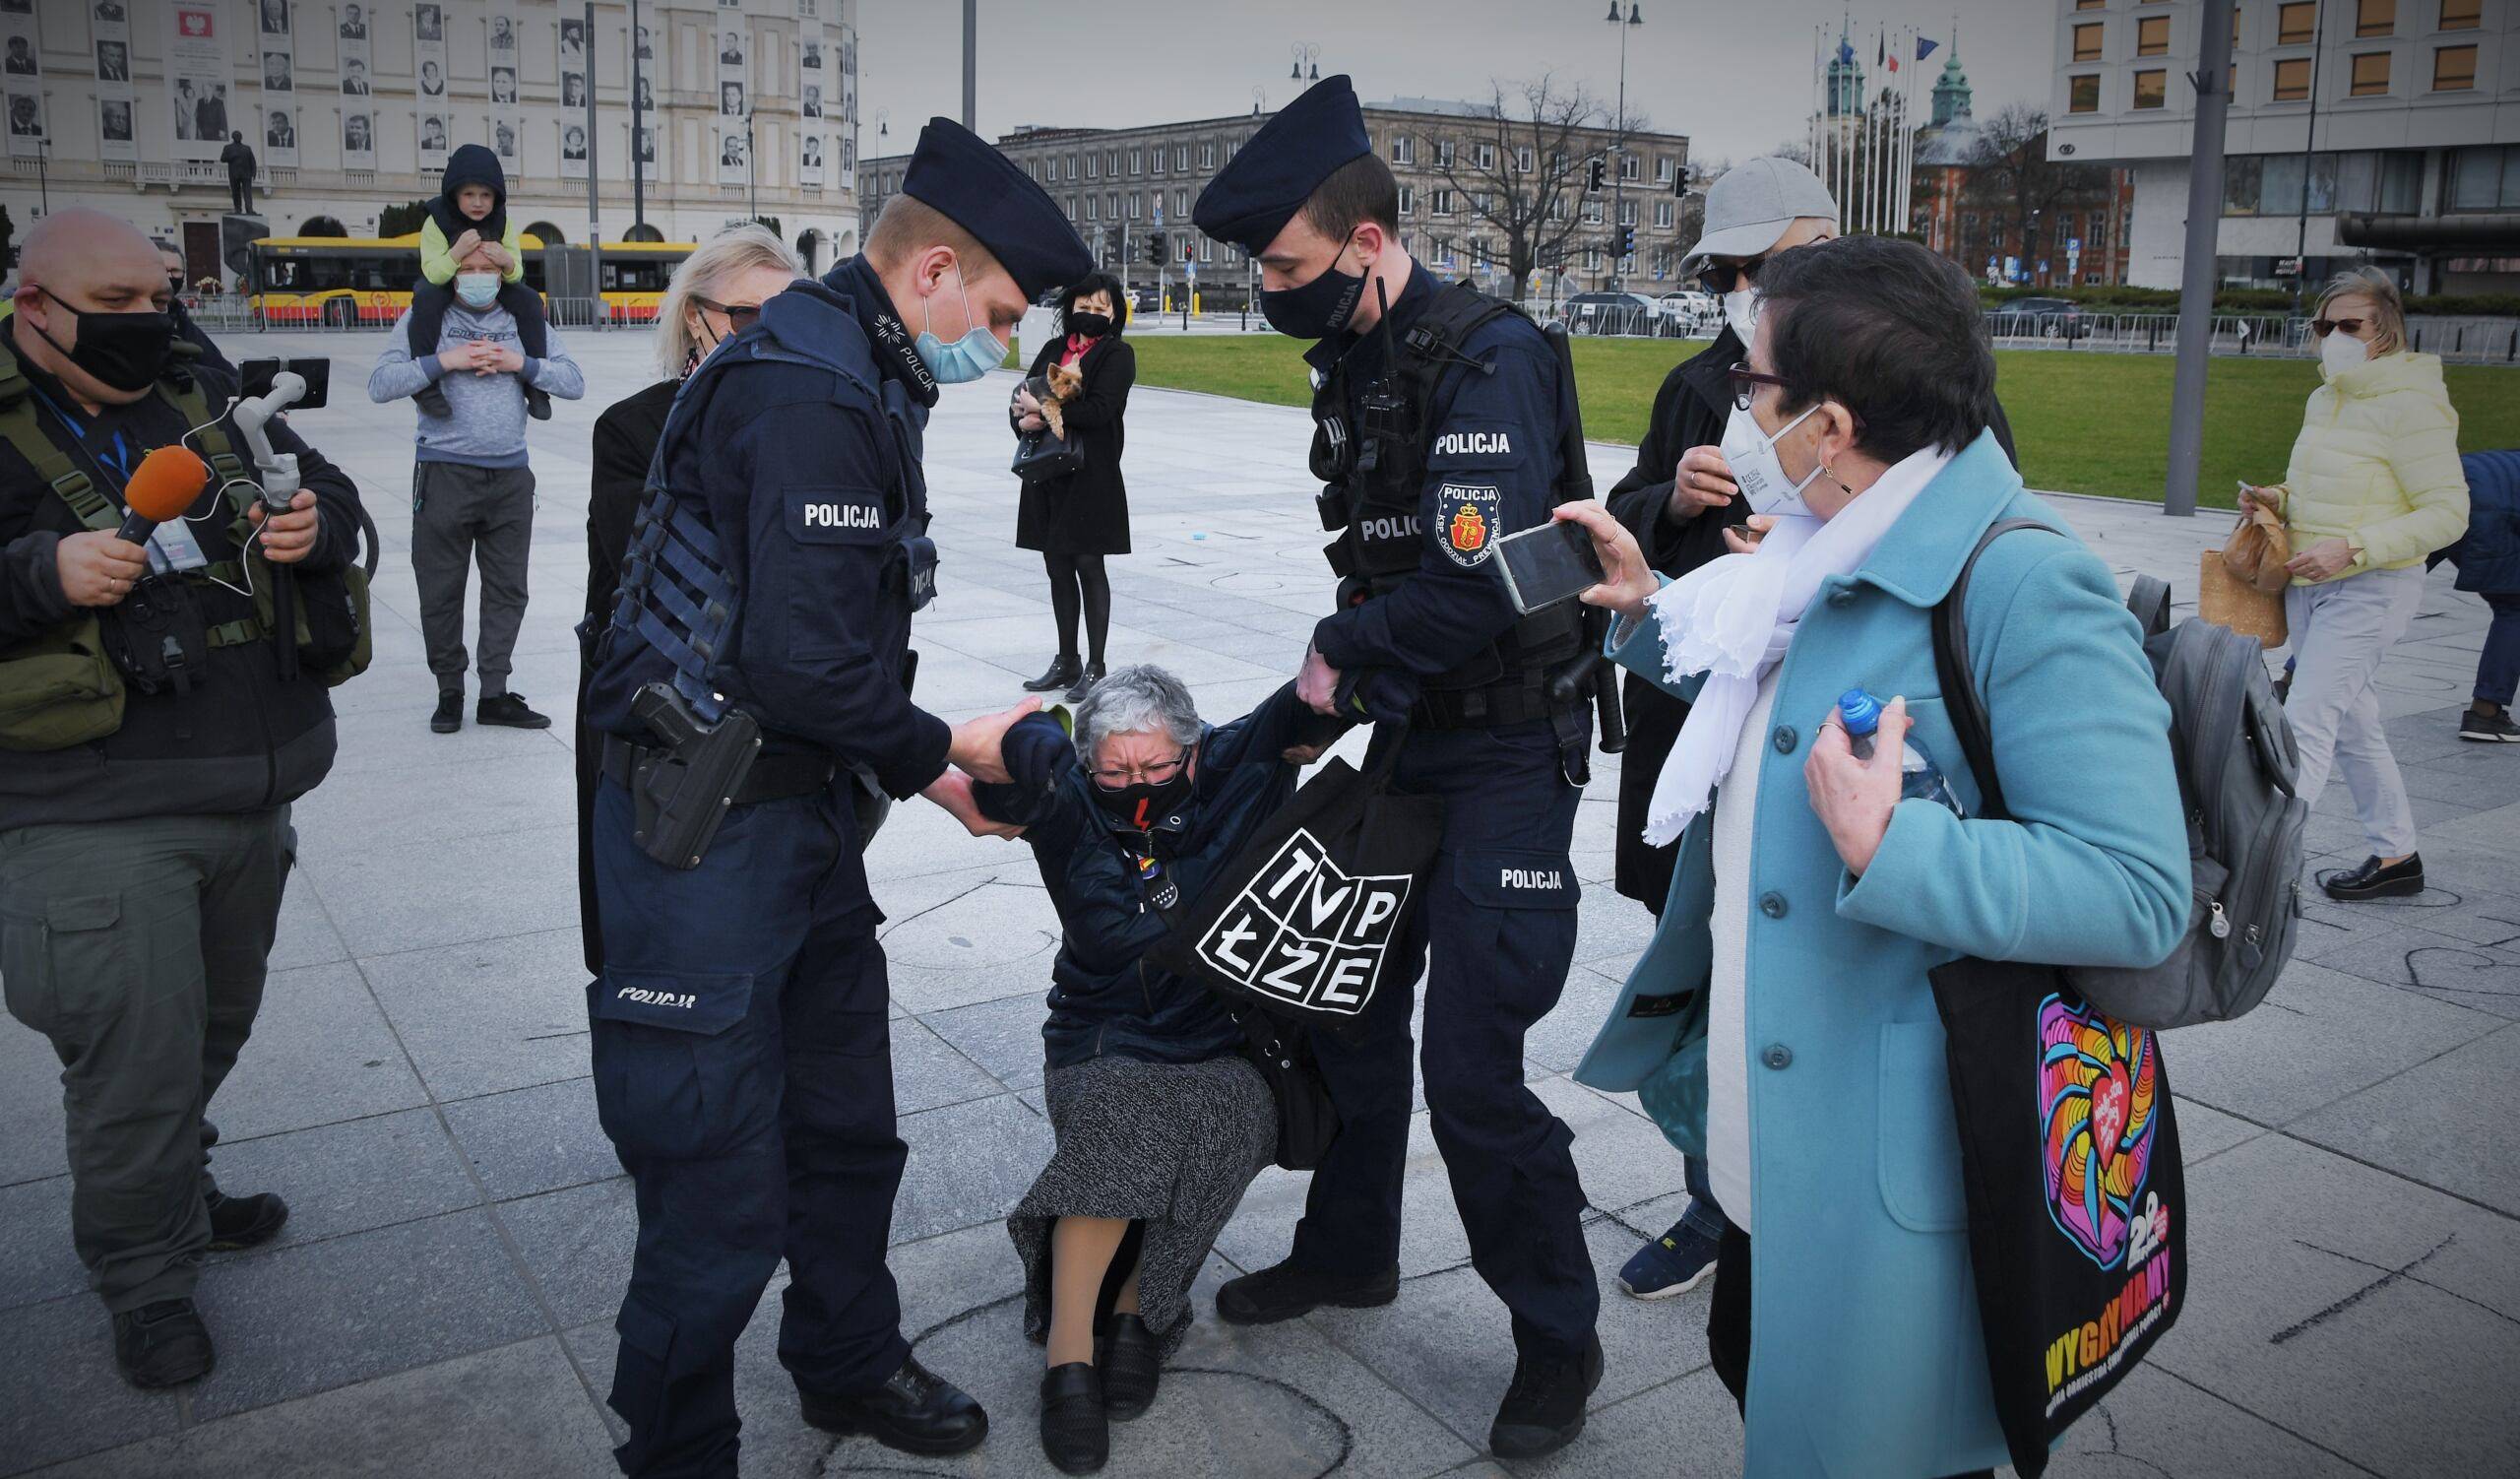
x=164, y=484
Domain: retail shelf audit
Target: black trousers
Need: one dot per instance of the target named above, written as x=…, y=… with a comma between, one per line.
x=1727, y=1324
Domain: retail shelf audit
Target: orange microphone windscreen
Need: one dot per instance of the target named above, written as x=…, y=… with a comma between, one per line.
x=165, y=484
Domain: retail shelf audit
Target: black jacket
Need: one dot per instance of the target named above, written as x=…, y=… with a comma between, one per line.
x=1105, y=999
x=625, y=439
x=242, y=739
x=1689, y=410
x=1088, y=513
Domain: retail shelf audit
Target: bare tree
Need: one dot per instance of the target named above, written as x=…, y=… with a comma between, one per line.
x=2012, y=181
x=1519, y=165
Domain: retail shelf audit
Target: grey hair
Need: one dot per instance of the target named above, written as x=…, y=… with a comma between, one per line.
x=735, y=250
x=2387, y=308
x=1132, y=699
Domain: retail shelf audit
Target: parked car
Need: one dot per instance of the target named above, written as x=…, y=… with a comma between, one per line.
x=2043, y=317
x=1611, y=314
x=1691, y=312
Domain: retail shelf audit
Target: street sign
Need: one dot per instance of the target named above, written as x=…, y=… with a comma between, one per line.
x=2073, y=246
x=2289, y=267
x=2043, y=267
x=2012, y=268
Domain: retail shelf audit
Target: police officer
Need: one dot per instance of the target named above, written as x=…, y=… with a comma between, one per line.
x=755, y=682
x=145, y=839
x=1437, y=420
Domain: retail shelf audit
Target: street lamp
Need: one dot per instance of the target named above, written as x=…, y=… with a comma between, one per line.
x=883, y=130
x=1619, y=140
x=752, y=168
x=1305, y=52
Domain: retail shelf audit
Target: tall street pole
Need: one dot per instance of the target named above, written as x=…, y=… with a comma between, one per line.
x=972, y=65
x=2198, y=270
x=595, y=196
x=638, y=119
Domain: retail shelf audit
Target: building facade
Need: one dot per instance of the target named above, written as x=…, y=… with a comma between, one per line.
x=1454, y=161
x=744, y=108
x=2385, y=131
x=2076, y=236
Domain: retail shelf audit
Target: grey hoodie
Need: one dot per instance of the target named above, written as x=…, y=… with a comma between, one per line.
x=486, y=428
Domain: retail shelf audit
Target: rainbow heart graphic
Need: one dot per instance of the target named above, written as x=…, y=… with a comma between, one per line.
x=2097, y=1105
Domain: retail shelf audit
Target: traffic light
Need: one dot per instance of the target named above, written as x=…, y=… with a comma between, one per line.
x=1154, y=249
x=1627, y=241
x=1596, y=173
x=1187, y=245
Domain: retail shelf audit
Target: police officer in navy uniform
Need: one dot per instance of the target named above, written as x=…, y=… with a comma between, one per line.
x=1438, y=416
x=741, y=1066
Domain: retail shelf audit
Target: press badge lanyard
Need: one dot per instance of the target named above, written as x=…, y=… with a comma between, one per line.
x=171, y=544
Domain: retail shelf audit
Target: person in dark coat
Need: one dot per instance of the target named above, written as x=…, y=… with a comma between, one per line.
x=716, y=293
x=1077, y=520
x=1680, y=505
x=238, y=157
x=2489, y=559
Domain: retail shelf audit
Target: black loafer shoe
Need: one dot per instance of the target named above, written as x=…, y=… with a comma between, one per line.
x=2376, y=880
x=449, y=716
x=1285, y=1291
x=509, y=710
x=1085, y=682
x=1543, y=1408
x=1075, y=1435
x=242, y=1221
x=1132, y=1364
x=1061, y=673
x=164, y=1344
x=915, y=1411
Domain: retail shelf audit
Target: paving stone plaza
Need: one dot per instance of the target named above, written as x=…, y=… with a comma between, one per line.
x=441, y=1302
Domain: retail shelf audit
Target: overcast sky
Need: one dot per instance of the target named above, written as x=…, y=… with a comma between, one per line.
x=1734, y=76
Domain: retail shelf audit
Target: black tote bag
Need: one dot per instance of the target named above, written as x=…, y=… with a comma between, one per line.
x=1303, y=920
x=2069, y=1155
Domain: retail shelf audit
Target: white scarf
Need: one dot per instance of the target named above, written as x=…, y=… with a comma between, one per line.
x=1733, y=618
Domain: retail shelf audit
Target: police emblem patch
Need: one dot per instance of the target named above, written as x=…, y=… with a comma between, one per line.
x=1466, y=520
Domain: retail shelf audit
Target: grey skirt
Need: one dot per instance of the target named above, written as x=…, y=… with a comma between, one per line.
x=1172, y=1147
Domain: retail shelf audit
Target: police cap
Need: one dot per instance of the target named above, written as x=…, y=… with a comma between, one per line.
x=956, y=172
x=1269, y=179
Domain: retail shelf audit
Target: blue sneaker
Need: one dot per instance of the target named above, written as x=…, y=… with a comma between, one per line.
x=1674, y=1264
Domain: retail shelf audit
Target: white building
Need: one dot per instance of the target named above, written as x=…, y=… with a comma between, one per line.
x=2378, y=129
x=352, y=105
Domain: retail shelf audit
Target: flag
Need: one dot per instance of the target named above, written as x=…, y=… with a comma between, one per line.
x=1846, y=49
x=1925, y=48
x=1880, y=49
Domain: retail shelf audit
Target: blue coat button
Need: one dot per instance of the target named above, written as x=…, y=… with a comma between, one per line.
x=1842, y=596
x=1772, y=905
x=1777, y=1056
x=1786, y=738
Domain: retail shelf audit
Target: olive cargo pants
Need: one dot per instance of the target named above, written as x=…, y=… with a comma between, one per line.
x=139, y=948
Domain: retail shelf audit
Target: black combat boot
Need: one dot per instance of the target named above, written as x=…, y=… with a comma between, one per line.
x=1543, y=1408
x=1285, y=1291
x=243, y=1221
x=164, y=1344
x=915, y=1411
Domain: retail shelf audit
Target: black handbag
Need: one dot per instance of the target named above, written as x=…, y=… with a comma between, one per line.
x=2069, y=1155
x=1041, y=457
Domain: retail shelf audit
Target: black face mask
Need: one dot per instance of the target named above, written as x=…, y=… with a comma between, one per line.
x=1317, y=309
x=122, y=350
x=1140, y=804
x=1090, y=325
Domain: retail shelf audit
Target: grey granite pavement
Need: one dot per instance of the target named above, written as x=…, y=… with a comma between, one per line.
x=442, y=1301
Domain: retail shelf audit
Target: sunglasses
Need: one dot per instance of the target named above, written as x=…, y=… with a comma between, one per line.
x=2323, y=327
x=740, y=316
x=1721, y=278
x=1745, y=388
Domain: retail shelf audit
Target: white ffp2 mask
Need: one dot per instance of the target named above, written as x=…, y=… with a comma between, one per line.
x=1750, y=453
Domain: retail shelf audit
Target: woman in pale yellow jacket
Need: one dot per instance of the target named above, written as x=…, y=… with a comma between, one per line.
x=2374, y=487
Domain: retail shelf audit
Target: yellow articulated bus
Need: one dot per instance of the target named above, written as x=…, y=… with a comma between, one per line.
x=346, y=282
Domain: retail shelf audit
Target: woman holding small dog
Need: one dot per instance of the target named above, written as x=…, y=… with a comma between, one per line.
x=1077, y=520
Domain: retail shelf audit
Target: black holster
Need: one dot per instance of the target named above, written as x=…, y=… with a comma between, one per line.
x=681, y=794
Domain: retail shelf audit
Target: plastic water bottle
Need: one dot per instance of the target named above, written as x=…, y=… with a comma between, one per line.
x=1918, y=777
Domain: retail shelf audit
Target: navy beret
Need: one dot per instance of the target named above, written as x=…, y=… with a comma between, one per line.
x=986, y=193
x=1260, y=189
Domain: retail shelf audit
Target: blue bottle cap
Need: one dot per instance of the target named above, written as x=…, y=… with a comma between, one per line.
x=1863, y=711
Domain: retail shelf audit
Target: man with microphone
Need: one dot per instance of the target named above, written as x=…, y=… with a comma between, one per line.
x=151, y=753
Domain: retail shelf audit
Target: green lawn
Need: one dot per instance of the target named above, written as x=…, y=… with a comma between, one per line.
x=2085, y=423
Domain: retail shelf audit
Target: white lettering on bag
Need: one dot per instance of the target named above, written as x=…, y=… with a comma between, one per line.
x=842, y=516
x=1475, y=444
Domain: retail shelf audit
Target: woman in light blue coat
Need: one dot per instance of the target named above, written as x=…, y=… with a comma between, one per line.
x=1782, y=1023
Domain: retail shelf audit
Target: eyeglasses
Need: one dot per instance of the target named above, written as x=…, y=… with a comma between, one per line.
x=2323, y=327
x=1157, y=774
x=1721, y=278
x=740, y=316
x=1745, y=388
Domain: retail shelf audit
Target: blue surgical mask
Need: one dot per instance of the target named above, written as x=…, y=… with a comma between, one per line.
x=967, y=359
x=477, y=290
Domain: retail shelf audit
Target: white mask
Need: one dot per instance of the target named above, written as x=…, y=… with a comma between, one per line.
x=2341, y=351
x=1751, y=455
x=1741, y=312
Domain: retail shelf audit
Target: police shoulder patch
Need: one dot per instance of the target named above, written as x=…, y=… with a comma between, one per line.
x=1466, y=520
x=836, y=515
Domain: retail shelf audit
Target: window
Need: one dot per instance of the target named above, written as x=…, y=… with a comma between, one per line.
x=1627, y=213
x=2087, y=41
x=1487, y=156
x=1090, y=214
x=2152, y=90
x=1180, y=159
x=2152, y=36
x=1114, y=163
x=1207, y=250
x=1137, y=206
x=1439, y=202
x=1630, y=166
x=1407, y=199
x=1112, y=205
x=1443, y=153
x=1181, y=205
x=1662, y=170
x=2090, y=4
x=2454, y=69
x=2291, y=78
x=2484, y=179
x=1593, y=259
x=1522, y=158
x=1208, y=155
x=1403, y=150
x=2461, y=15
x=2376, y=17
x=1094, y=166
x=2082, y=93
x=2297, y=23
x=2401, y=184
x=1663, y=214
x=1593, y=212
x=2370, y=74
x=1137, y=161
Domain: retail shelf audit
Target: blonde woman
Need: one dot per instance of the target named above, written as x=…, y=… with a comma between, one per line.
x=2374, y=486
x=716, y=293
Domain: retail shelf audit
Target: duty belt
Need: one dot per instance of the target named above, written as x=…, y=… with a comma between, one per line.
x=772, y=777
x=1495, y=706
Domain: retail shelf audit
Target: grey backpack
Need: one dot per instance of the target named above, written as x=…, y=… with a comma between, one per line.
x=2236, y=767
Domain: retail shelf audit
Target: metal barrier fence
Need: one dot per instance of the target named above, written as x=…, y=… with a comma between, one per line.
x=234, y=313
x=2466, y=340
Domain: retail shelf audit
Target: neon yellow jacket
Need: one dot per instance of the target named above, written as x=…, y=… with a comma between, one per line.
x=437, y=264
x=2378, y=464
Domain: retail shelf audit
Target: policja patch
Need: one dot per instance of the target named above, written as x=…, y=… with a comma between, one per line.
x=1466, y=520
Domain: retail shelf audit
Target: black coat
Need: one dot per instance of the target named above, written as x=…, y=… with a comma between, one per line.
x=1087, y=513
x=625, y=440
x=1689, y=410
